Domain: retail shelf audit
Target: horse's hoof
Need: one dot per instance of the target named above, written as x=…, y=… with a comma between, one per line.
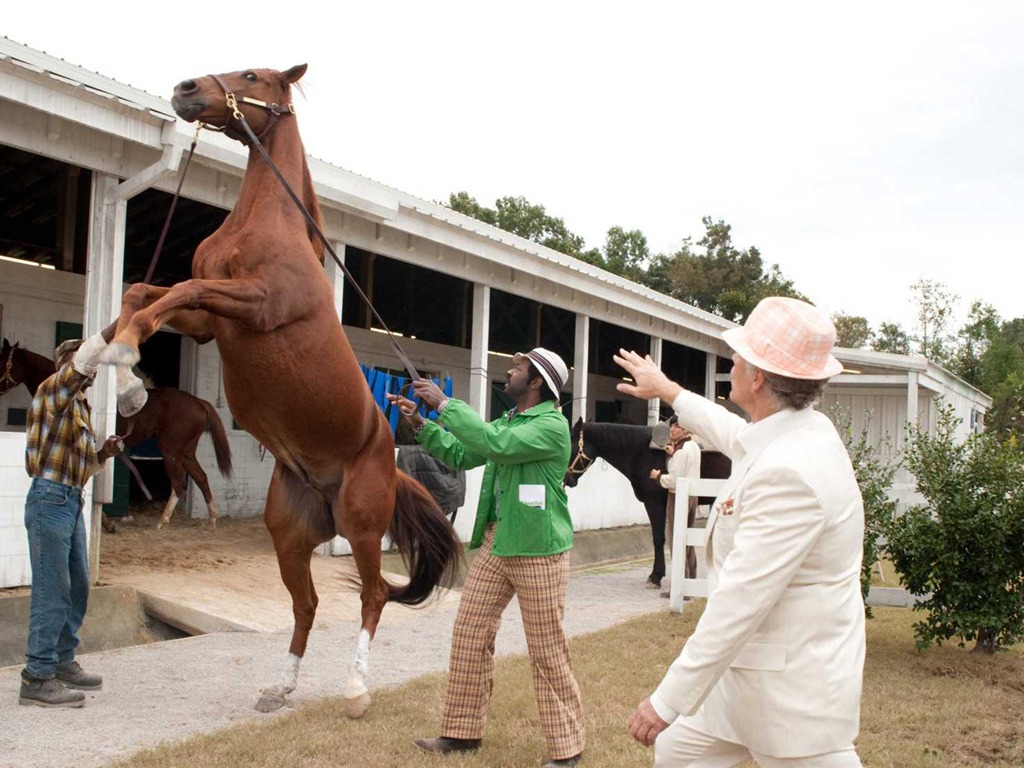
x=356, y=707
x=119, y=353
x=270, y=701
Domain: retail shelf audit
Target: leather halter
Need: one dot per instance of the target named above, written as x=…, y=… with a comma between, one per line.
x=7, y=382
x=572, y=469
x=276, y=112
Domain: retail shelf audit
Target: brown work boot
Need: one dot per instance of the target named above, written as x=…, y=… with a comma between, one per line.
x=445, y=744
x=72, y=675
x=36, y=691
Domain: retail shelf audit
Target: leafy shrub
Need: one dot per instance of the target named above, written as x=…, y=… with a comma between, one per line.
x=963, y=551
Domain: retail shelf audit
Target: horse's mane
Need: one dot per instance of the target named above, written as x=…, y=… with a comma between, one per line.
x=309, y=198
x=312, y=203
x=622, y=438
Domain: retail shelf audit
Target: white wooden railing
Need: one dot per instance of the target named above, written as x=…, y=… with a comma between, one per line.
x=683, y=537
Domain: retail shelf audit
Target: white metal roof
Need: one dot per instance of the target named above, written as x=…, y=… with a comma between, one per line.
x=346, y=190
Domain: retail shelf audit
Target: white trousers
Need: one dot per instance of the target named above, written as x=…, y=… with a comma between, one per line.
x=684, y=745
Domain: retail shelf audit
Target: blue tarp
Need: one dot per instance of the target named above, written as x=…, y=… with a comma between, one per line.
x=382, y=384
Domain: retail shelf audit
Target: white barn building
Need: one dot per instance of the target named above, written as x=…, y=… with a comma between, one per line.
x=88, y=166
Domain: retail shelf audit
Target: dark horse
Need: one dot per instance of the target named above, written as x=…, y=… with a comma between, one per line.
x=259, y=290
x=176, y=419
x=628, y=448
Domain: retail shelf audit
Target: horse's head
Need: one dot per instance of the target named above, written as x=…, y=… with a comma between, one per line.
x=261, y=95
x=11, y=373
x=583, y=455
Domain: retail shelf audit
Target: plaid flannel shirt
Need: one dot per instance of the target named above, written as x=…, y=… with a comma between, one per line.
x=60, y=444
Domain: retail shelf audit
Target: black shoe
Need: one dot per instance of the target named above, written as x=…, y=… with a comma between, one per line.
x=445, y=744
x=38, y=692
x=72, y=675
x=565, y=762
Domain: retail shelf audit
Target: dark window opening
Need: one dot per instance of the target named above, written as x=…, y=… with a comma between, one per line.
x=606, y=340
x=44, y=210
x=413, y=301
x=193, y=222
x=518, y=324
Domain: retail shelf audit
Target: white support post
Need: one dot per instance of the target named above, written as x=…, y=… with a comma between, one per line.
x=103, y=279
x=337, y=276
x=912, y=398
x=479, y=378
x=710, y=369
x=654, y=404
x=581, y=368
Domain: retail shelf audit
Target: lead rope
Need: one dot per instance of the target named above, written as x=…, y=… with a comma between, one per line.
x=170, y=213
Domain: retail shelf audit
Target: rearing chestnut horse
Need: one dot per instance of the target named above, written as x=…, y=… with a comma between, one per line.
x=291, y=378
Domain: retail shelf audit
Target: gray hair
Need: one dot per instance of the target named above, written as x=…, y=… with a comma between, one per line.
x=794, y=393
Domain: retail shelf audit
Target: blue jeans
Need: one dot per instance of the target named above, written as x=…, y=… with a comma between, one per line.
x=60, y=574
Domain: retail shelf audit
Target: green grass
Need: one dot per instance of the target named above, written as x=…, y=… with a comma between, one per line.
x=943, y=708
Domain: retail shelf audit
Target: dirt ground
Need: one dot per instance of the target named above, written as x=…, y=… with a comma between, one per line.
x=183, y=545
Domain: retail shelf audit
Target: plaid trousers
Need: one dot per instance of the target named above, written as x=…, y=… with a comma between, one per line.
x=540, y=584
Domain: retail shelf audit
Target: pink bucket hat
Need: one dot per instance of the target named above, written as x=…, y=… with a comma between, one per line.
x=788, y=337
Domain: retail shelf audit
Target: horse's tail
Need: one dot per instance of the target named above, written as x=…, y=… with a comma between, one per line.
x=429, y=545
x=221, y=447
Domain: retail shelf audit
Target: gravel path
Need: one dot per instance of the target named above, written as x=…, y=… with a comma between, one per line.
x=173, y=690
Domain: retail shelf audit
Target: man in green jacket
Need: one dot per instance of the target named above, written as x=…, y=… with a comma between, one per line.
x=524, y=529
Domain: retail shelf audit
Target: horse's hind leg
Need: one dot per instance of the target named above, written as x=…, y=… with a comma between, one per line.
x=362, y=513
x=195, y=471
x=176, y=474
x=298, y=521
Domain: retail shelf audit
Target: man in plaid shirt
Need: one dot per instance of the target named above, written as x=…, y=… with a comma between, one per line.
x=60, y=457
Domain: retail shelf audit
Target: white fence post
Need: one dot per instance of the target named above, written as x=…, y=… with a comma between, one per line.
x=683, y=537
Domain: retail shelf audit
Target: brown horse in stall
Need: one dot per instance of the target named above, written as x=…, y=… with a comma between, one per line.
x=291, y=378
x=177, y=420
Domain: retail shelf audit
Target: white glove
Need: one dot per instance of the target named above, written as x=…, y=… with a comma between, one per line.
x=131, y=392
x=87, y=358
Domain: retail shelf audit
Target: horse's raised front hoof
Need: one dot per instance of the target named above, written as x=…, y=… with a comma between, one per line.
x=270, y=701
x=356, y=707
x=119, y=353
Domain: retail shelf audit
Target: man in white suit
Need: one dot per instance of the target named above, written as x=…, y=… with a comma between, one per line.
x=773, y=671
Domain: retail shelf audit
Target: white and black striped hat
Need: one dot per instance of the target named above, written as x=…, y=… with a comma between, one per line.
x=550, y=365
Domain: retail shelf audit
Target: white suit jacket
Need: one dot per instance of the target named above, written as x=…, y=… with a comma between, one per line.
x=777, y=658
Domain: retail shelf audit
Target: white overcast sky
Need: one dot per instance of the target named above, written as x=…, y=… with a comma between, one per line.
x=861, y=146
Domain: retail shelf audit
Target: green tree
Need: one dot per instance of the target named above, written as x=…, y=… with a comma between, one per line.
x=962, y=551
x=935, y=307
x=718, y=277
x=527, y=220
x=1006, y=418
x=626, y=253
x=874, y=477
x=891, y=338
x=973, y=341
x=852, y=331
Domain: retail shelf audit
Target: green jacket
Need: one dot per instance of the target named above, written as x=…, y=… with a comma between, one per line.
x=526, y=460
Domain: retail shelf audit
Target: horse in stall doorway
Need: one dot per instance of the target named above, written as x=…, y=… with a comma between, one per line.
x=176, y=419
x=291, y=378
x=628, y=448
